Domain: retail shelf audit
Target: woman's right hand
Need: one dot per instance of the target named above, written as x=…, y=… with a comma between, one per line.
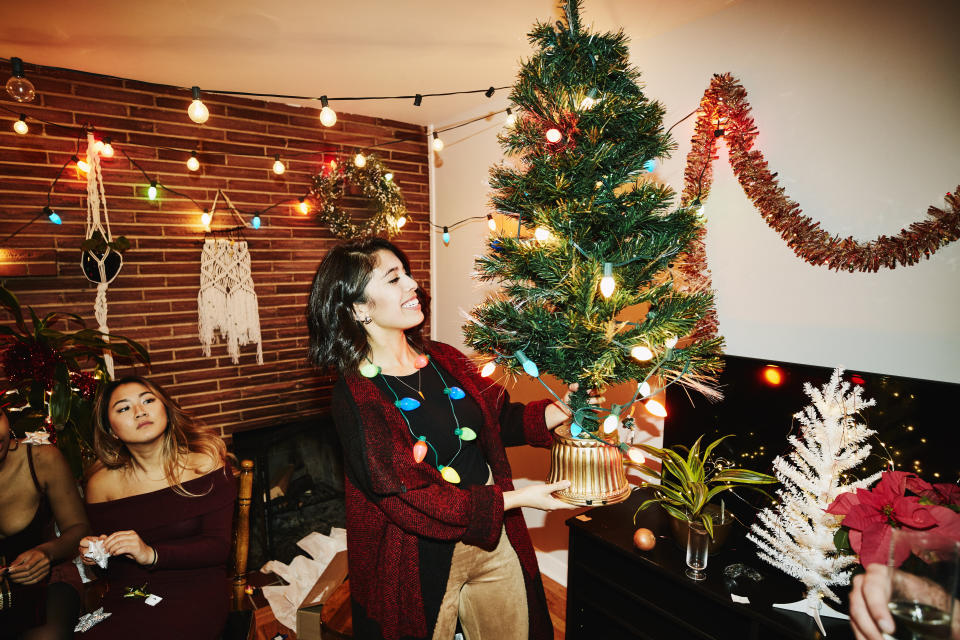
x=85, y=546
x=537, y=496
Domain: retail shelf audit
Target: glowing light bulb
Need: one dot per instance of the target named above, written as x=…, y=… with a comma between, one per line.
x=488, y=369
x=650, y=165
x=19, y=88
x=83, y=165
x=528, y=365
x=97, y=146
x=644, y=389
x=152, y=190
x=772, y=375
x=607, y=283
x=107, y=150
x=52, y=215
x=402, y=220
x=491, y=223
x=511, y=118
x=205, y=219
x=554, y=135
x=542, y=234
x=304, y=206
x=198, y=111
x=328, y=117
x=437, y=142
x=420, y=450
x=655, y=408
x=255, y=222
x=587, y=103
x=388, y=177
x=449, y=474
x=641, y=353
x=612, y=421
x=446, y=235
x=670, y=342
x=20, y=126
x=360, y=160
x=278, y=166
x=193, y=163
x=636, y=455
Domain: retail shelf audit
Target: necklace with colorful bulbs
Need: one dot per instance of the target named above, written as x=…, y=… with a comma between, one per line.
x=421, y=445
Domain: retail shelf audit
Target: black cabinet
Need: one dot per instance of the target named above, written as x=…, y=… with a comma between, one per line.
x=616, y=591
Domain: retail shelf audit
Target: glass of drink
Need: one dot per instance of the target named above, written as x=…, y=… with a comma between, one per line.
x=698, y=546
x=923, y=583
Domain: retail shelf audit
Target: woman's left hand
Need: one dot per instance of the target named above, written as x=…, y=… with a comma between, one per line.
x=556, y=414
x=128, y=543
x=30, y=567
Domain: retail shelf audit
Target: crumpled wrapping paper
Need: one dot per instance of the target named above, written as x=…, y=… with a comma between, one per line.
x=97, y=553
x=90, y=619
x=301, y=574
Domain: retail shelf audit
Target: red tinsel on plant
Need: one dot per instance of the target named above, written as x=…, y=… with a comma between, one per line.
x=31, y=361
x=725, y=100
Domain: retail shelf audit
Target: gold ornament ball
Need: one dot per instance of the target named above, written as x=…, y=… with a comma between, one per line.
x=644, y=539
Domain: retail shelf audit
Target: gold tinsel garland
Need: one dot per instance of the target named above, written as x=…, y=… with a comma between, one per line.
x=725, y=112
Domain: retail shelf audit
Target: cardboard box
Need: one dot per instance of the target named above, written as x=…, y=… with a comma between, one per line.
x=309, y=626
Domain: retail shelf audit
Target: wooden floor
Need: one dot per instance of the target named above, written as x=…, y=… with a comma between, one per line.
x=557, y=604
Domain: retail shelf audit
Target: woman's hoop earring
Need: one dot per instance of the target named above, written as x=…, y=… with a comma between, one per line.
x=16, y=444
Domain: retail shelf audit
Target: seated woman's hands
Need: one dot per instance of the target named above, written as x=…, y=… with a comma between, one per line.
x=30, y=567
x=556, y=413
x=121, y=543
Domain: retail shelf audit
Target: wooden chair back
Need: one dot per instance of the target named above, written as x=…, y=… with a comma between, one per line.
x=241, y=534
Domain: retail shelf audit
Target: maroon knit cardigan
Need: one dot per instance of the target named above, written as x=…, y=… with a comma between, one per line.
x=399, y=501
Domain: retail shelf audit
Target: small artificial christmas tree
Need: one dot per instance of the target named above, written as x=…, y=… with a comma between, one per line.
x=593, y=291
x=798, y=535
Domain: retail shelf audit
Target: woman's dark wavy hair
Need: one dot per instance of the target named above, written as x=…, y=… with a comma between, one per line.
x=337, y=340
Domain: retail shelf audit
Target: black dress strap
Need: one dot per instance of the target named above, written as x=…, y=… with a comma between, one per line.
x=33, y=472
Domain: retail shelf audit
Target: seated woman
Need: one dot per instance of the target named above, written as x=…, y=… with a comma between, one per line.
x=161, y=502
x=38, y=490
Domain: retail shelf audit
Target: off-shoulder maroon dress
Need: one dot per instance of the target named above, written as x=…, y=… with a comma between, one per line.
x=192, y=539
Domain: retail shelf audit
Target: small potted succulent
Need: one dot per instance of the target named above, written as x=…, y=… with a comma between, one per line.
x=690, y=479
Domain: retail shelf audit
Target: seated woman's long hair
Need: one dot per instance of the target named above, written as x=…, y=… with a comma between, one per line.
x=184, y=435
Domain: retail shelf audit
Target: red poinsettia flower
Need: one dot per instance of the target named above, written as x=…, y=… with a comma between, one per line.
x=872, y=514
x=944, y=493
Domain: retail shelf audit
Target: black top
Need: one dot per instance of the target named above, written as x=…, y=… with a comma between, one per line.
x=435, y=420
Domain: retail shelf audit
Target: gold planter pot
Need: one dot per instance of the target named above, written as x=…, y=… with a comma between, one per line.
x=595, y=470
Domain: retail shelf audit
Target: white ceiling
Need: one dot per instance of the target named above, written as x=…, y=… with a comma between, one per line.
x=313, y=47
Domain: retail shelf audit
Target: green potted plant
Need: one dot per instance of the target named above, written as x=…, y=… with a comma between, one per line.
x=689, y=480
x=46, y=386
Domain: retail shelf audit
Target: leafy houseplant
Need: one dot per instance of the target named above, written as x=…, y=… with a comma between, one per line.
x=45, y=385
x=688, y=484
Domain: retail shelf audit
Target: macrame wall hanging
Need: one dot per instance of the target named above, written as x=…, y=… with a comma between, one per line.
x=227, y=302
x=100, y=265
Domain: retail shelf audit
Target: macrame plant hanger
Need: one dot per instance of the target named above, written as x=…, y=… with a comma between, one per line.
x=227, y=302
x=97, y=267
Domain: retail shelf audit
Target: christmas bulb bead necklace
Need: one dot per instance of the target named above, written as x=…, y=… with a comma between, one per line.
x=407, y=403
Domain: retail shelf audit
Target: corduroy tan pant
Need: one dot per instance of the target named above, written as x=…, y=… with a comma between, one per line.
x=487, y=592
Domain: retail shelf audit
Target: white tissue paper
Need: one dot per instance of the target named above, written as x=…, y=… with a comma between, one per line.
x=301, y=574
x=97, y=553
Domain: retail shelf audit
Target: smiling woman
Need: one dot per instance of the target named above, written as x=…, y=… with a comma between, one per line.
x=433, y=520
x=160, y=501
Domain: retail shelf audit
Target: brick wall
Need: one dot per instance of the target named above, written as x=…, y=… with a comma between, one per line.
x=154, y=299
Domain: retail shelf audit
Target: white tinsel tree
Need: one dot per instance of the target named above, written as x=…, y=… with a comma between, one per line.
x=797, y=535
